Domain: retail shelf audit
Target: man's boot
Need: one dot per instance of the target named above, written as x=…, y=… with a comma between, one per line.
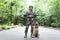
x=25, y=35
x=26, y=31
x=32, y=35
x=32, y=31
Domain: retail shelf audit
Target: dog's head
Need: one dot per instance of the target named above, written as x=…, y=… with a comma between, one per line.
x=36, y=25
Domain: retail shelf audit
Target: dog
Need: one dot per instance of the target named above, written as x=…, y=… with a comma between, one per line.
x=36, y=30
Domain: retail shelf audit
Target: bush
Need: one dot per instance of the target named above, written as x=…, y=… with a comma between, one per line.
x=5, y=27
x=55, y=24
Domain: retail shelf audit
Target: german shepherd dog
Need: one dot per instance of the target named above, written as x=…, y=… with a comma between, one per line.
x=36, y=30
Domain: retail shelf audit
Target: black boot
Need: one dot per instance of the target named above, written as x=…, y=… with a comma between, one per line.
x=32, y=35
x=26, y=31
x=25, y=36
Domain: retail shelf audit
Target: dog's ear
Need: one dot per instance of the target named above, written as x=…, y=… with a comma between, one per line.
x=36, y=23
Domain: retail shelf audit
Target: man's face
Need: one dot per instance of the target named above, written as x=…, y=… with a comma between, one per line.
x=30, y=8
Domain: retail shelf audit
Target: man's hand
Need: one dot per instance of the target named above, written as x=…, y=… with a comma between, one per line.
x=30, y=16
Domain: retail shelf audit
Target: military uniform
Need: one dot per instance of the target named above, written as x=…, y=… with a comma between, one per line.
x=30, y=21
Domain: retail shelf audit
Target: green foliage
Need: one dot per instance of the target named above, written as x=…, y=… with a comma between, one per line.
x=12, y=11
x=49, y=12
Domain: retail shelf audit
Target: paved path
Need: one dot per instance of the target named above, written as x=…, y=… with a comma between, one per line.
x=18, y=34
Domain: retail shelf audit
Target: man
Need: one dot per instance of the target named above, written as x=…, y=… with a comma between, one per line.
x=30, y=15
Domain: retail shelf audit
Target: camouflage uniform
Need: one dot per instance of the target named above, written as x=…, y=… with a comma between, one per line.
x=30, y=21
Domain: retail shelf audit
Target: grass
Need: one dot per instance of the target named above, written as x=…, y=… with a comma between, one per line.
x=6, y=26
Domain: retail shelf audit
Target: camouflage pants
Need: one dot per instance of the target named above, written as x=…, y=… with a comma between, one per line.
x=29, y=22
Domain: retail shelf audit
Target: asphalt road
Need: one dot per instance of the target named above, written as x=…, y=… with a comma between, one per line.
x=18, y=34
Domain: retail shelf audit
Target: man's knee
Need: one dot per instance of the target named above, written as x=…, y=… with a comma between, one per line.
x=32, y=24
x=32, y=27
x=27, y=23
x=26, y=29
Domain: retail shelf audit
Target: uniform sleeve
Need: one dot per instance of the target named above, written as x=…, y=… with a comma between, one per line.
x=25, y=14
x=34, y=14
